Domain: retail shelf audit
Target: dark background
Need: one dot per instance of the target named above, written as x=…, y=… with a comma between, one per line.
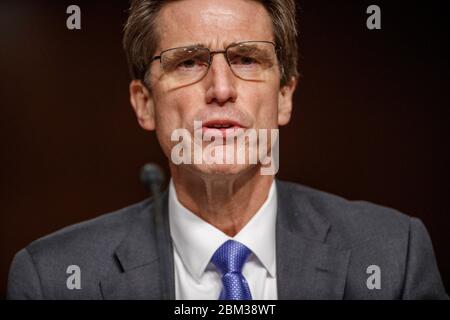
x=371, y=118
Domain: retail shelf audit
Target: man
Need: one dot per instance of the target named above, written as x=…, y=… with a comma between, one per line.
x=225, y=230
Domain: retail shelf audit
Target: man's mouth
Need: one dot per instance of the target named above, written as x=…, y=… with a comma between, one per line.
x=221, y=125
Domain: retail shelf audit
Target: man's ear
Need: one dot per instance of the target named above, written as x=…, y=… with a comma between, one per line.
x=285, y=96
x=143, y=105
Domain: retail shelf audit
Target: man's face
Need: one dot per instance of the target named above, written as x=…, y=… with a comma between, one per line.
x=219, y=94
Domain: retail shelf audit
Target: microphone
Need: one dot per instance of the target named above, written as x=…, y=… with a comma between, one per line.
x=152, y=177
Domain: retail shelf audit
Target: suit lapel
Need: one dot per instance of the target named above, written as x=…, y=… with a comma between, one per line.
x=307, y=267
x=139, y=257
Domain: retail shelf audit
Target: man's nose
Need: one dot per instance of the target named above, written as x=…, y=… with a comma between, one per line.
x=221, y=82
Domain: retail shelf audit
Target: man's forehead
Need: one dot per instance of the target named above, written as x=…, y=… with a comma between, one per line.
x=212, y=23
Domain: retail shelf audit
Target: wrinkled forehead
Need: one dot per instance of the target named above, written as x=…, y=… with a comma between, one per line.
x=214, y=24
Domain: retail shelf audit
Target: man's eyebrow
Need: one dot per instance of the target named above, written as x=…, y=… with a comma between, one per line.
x=203, y=45
x=196, y=45
x=187, y=45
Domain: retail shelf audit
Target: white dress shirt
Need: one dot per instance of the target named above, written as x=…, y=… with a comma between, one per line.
x=195, y=241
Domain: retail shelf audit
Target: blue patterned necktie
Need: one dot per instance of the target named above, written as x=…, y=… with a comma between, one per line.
x=229, y=259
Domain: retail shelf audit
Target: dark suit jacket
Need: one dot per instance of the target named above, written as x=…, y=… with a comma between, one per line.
x=324, y=246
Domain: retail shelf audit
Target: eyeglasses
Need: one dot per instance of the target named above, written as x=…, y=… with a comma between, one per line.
x=249, y=60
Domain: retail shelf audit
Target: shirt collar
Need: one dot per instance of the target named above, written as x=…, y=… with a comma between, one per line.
x=196, y=240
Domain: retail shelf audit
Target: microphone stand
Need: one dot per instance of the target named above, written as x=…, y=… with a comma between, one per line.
x=152, y=177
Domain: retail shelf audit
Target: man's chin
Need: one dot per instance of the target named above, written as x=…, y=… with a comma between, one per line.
x=221, y=169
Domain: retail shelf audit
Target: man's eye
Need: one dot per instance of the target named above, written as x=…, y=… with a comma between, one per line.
x=187, y=63
x=244, y=60
x=191, y=64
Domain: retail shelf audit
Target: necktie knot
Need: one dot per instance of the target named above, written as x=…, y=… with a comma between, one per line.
x=229, y=259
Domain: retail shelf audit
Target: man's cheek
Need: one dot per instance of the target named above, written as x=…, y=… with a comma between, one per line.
x=267, y=115
x=164, y=129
